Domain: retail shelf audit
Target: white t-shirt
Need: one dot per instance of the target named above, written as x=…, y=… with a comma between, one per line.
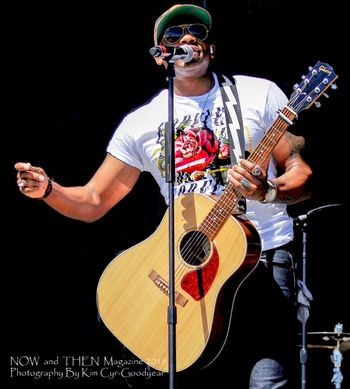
x=202, y=154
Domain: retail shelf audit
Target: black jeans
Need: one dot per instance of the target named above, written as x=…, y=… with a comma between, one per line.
x=273, y=366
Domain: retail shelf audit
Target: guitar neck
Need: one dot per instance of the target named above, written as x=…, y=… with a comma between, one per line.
x=230, y=198
x=263, y=151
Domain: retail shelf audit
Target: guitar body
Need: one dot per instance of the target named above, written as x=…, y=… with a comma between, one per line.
x=133, y=294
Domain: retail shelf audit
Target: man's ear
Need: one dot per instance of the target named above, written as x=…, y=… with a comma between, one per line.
x=212, y=50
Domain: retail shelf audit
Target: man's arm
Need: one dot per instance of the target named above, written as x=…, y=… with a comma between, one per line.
x=290, y=185
x=112, y=181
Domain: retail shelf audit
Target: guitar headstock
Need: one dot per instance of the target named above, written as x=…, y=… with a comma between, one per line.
x=313, y=85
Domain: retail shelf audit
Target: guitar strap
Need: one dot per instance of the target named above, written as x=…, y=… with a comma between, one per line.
x=233, y=115
x=234, y=122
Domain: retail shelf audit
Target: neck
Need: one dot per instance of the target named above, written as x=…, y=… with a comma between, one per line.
x=192, y=85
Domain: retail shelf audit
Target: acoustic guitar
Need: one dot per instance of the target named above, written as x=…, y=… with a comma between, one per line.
x=214, y=253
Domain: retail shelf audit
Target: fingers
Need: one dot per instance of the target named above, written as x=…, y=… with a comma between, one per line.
x=254, y=169
x=248, y=178
x=23, y=166
x=246, y=187
x=29, y=172
x=241, y=180
x=30, y=175
x=28, y=189
x=31, y=180
x=27, y=167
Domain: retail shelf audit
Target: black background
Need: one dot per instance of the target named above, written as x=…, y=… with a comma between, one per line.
x=71, y=73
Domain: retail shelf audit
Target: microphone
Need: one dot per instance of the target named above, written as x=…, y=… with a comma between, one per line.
x=158, y=51
x=172, y=54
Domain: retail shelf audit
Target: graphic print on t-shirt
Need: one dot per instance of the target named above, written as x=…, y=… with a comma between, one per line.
x=202, y=155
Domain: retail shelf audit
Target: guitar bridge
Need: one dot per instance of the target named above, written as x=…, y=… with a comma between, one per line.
x=164, y=287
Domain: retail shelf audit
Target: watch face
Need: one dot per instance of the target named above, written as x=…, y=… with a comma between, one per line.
x=271, y=193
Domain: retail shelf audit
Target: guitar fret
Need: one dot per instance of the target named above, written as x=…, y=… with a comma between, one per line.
x=270, y=139
x=263, y=146
x=220, y=212
x=210, y=226
x=214, y=219
x=273, y=134
x=285, y=118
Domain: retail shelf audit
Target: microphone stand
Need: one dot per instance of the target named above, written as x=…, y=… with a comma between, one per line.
x=185, y=53
x=170, y=179
x=302, y=221
x=336, y=358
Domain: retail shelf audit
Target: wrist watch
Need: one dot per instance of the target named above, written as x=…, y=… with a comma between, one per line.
x=271, y=192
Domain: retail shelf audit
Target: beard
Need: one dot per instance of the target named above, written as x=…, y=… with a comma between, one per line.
x=196, y=68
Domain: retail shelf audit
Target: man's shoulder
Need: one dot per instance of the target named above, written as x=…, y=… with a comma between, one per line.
x=242, y=79
x=156, y=99
x=257, y=88
x=250, y=83
x=154, y=102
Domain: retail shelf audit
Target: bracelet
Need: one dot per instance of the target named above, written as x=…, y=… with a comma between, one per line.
x=48, y=189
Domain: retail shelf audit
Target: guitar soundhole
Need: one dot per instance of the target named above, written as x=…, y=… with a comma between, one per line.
x=195, y=248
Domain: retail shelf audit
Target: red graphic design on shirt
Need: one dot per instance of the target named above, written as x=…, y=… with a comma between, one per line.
x=195, y=148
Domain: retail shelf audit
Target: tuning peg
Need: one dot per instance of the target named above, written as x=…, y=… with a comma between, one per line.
x=317, y=104
x=334, y=86
x=326, y=95
x=297, y=89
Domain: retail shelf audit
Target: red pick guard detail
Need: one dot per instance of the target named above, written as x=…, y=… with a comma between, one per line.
x=197, y=282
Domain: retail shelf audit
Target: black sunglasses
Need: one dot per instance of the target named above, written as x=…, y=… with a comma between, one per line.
x=174, y=34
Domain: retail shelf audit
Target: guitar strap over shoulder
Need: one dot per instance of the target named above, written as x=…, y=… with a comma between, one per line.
x=234, y=122
x=233, y=115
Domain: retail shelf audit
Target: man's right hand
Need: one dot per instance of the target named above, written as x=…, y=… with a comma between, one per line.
x=32, y=181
